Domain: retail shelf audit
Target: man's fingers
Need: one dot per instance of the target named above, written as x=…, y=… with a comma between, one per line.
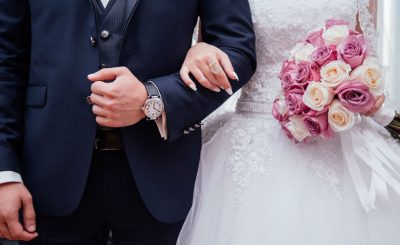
x=99, y=111
x=18, y=233
x=104, y=121
x=102, y=88
x=107, y=74
x=5, y=232
x=98, y=100
x=227, y=65
x=28, y=213
x=200, y=77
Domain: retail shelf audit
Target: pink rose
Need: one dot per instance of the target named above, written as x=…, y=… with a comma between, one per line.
x=353, y=50
x=318, y=125
x=316, y=39
x=279, y=110
x=294, y=100
x=355, y=96
x=323, y=55
x=288, y=74
x=288, y=79
x=306, y=73
x=334, y=22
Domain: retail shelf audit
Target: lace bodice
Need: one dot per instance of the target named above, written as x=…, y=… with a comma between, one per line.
x=279, y=25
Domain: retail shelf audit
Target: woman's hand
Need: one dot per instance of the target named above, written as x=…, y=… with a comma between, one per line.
x=210, y=67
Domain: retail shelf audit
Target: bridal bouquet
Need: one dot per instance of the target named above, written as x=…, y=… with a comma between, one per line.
x=328, y=82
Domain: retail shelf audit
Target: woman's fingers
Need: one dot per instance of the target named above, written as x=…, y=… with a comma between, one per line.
x=217, y=75
x=186, y=78
x=227, y=65
x=201, y=78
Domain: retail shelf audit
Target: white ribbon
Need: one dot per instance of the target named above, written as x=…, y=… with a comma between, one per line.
x=364, y=145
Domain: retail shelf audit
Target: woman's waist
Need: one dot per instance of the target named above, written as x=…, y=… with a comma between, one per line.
x=259, y=107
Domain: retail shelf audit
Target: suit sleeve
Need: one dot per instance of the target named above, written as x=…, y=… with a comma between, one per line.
x=14, y=66
x=226, y=24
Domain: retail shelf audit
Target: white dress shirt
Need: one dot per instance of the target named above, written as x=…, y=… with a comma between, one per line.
x=10, y=176
x=105, y=2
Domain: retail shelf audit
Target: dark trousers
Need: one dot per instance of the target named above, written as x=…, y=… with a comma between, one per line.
x=111, y=202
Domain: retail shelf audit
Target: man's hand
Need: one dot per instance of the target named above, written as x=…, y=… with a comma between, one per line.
x=13, y=198
x=118, y=103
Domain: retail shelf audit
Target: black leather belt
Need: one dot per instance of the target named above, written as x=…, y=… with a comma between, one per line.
x=108, y=140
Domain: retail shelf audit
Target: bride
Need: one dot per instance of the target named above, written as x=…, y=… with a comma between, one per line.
x=254, y=186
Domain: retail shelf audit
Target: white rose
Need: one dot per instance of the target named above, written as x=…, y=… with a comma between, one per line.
x=341, y=119
x=335, y=72
x=302, y=52
x=297, y=128
x=318, y=95
x=336, y=34
x=371, y=74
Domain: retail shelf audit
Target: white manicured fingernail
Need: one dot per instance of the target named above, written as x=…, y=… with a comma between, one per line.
x=229, y=91
x=217, y=90
x=236, y=76
x=193, y=87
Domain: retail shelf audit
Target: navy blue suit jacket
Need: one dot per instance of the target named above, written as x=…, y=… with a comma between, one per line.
x=47, y=130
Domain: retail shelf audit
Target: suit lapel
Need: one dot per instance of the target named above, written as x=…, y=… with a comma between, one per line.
x=130, y=9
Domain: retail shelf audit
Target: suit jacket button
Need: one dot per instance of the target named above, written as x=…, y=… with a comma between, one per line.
x=105, y=34
x=102, y=66
x=185, y=132
x=191, y=129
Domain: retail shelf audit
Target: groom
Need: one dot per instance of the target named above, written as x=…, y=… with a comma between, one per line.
x=117, y=149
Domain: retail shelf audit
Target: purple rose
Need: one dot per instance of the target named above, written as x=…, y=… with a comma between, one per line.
x=316, y=39
x=294, y=100
x=353, y=50
x=318, y=125
x=323, y=55
x=355, y=96
x=306, y=73
x=334, y=22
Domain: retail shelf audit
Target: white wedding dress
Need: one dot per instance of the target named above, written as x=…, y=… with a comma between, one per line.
x=254, y=186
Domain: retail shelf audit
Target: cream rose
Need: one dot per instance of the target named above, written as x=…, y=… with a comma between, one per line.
x=371, y=74
x=298, y=128
x=302, y=52
x=336, y=34
x=340, y=119
x=334, y=73
x=318, y=95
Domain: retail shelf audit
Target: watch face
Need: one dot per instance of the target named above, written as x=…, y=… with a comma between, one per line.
x=153, y=108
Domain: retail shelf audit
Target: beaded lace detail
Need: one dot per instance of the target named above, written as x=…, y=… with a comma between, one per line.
x=248, y=157
x=367, y=25
x=279, y=25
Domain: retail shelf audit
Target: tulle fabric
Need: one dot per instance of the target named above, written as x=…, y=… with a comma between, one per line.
x=290, y=202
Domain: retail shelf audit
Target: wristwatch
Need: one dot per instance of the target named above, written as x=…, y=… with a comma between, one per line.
x=154, y=105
